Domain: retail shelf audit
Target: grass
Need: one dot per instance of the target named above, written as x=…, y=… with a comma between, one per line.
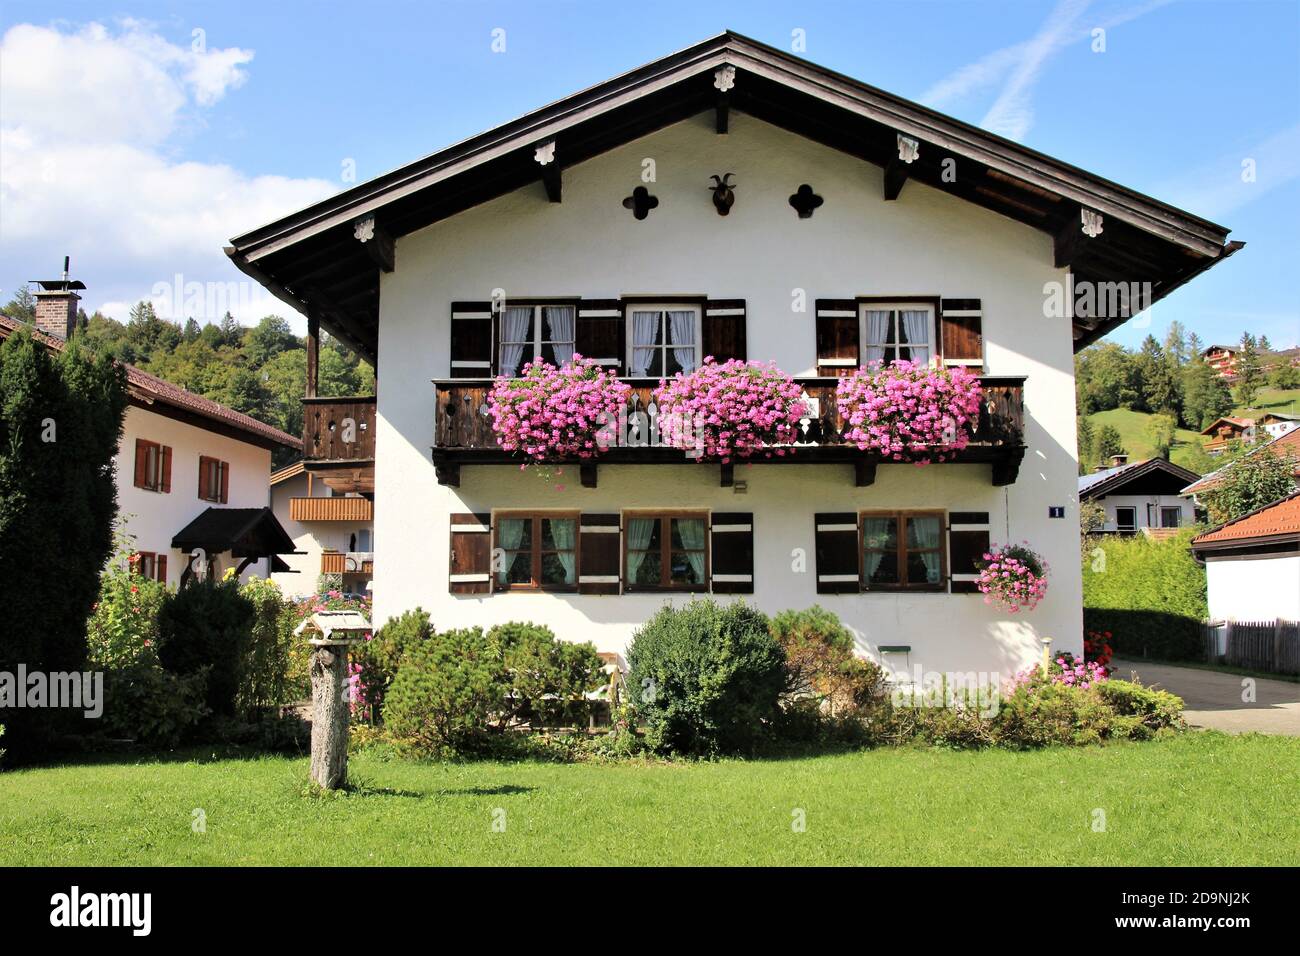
x=1285, y=401
x=1197, y=798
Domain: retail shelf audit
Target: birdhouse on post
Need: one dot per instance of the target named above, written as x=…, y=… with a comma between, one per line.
x=330, y=633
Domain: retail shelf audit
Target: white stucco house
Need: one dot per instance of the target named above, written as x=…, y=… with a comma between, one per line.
x=1140, y=496
x=859, y=227
x=192, y=474
x=1252, y=564
x=332, y=528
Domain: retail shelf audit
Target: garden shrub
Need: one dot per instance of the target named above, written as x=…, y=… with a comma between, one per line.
x=446, y=689
x=1043, y=712
x=123, y=627
x=546, y=680
x=1149, y=594
x=146, y=704
x=266, y=682
x=205, y=627
x=378, y=658
x=706, y=679
x=822, y=671
x=1154, y=709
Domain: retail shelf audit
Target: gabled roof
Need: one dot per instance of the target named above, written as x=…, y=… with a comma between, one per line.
x=1113, y=480
x=1276, y=523
x=287, y=472
x=314, y=261
x=1231, y=420
x=245, y=532
x=158, y=395
x=1288, y=444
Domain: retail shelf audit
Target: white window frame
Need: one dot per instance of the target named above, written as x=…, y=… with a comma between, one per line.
x=915, y=305
x=1178, y=516
x=663, y=308
x=538, y=321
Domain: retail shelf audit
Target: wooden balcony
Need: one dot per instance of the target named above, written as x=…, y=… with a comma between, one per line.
x=347, y=562
x=464, y=436
x=332, y=509
x=338, y=430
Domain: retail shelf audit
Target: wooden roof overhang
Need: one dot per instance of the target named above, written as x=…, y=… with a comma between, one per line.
x=1153, y=476
x=316, y=260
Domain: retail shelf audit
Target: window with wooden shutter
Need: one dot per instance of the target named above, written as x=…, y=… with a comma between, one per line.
x=472, y=339
x=142, y=462
x=225, y=482
x=534, y=551
x=837, y=551
x=838, y=351
x=961, y=338
x=205, y=493
x=165, y=482
x=666, y=552
x=724, y=329
x=162, y=568
x=600, y=333
x=214, y=480
x=903, y=551
x=144, y=563
x=968, y=540
x=153, y=466
x=470, y=565
x=732, y=559
x=599, y=554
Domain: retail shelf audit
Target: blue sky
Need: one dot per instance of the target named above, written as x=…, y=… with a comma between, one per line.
x=139, y=137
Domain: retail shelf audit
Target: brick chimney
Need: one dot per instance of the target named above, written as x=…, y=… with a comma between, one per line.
x=56, y=304
x=1118, y=460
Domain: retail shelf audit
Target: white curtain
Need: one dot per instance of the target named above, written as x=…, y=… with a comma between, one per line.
x=510, y=531
x=691, y=532
x=639, y=532
x=875, y=533
x=644, y=327
x=873, y=349
x=559, y=325
x=916, y=331
x=924, y=533
x=562, y=535
x=514, y=331
x=682, y=329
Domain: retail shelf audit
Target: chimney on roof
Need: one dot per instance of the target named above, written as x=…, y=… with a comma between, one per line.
x=56, y=304
x=1118, y=460
x=1102, y=467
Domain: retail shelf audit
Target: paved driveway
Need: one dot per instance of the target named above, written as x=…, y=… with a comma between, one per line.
x=1213, y=698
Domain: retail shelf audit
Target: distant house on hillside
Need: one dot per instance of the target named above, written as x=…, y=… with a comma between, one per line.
x=1275, y=424
x=192, y=474
x=1222, y=358
x=1252, y=564
x=1223, y=431
x=331, y=520
x=1288, y=444
x=1142, y=496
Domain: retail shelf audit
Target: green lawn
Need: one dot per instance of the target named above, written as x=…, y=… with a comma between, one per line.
x=1200, y=798
x=1285, y=401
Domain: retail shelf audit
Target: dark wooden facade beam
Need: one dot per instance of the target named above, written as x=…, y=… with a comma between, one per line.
x=377, y=242
x=587, y=472
x=864, y=473
x=313, y=354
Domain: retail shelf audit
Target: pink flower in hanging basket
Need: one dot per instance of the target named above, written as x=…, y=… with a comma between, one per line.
x=908, y=411
x=1013, y=577
x=554, y=413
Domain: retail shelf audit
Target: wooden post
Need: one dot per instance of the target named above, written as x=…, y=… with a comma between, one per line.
x=329, y=724
x=313, y=353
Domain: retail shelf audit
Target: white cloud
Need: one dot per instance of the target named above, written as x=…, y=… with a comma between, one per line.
x=90, y=126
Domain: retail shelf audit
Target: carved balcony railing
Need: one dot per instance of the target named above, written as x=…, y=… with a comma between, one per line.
x=463, y=431
x=338, y=429
x=340, y=508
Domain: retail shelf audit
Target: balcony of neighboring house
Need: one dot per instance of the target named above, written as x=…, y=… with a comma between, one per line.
x=338, y=430
x=352, y=508
x=346, y=563
x=464, y=435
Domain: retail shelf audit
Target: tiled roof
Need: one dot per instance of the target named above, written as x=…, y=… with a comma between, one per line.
x=152, y=388
x=287, y=472
x=1243, y=422
x=1288, y=444
x=1282, y=517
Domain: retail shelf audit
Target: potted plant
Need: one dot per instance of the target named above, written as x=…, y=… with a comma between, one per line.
x=909, y=411
x=552, y=414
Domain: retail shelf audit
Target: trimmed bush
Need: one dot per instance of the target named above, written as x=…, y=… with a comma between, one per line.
x=822, y=671
x=1154, y=710
x=1044, y=713
x=205, y=627
x=1149, y=594
x=547, y=680
x=146, y=704
x=380, y=656
x=706, y=679
x=446, y=689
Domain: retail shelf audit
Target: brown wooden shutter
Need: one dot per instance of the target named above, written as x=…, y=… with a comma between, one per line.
x=968, y=539
x=724, y=329
x=732, y=557
x=838, y=349
x=161, y=563
x=961, y=337
x=141, y=462
x=600, y=331
x=204, y=491
x=837, y=553
x=225, y=481
x=470, y=568
x=599, y=554
x=472, y=334
x=166, y=454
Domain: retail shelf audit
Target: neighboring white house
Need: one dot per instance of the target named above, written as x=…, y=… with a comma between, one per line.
x=332, y=532
x=1140, y=496
x=862, y=227
x=1252, y=565
x=1276, y=424
x=192, y=474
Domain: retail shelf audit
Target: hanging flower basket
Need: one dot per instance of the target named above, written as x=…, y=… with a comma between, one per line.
x=1013, y=577
x=552, y=414
x=908, y=411
x=730, y=410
